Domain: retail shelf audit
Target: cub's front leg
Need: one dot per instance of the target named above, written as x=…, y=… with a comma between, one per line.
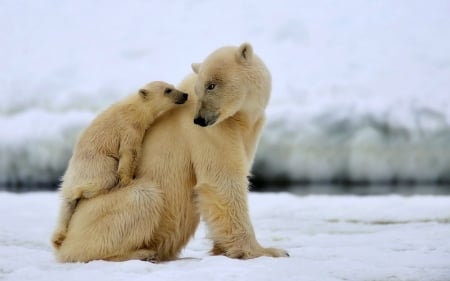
x=129, y=155
x=224, y=207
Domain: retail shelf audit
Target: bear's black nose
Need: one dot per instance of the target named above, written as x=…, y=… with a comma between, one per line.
x=185, y=96
x=200, y=121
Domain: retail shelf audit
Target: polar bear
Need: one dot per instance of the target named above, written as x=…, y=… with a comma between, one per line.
x=195, y=162
x=108, y=150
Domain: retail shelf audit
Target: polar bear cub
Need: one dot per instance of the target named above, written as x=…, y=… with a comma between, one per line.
x=108, y=150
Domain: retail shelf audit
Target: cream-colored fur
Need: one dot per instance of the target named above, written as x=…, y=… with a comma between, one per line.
x=186, y=171
x=107, y=152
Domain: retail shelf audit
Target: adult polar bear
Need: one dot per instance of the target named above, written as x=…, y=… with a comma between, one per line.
x=186, y=170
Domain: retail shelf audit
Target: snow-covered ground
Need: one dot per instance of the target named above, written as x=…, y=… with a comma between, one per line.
x=328, y=238
x=361, y=88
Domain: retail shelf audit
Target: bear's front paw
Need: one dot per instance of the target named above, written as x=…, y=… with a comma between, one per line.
x=57, y=238
x=274, y=252
x=242, y=253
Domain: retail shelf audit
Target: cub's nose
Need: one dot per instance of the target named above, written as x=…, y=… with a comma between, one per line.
x=182, y=99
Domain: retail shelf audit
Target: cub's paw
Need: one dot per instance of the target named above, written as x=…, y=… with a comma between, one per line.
x=58, y=238
x=124, y=180
x=73, y=193
x=87, y=193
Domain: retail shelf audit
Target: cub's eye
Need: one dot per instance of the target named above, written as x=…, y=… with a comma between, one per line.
x=167, y=91
x=211, y=86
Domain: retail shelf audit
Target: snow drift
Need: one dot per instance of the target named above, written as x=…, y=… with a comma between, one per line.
x=360, y=89
x=329, y=238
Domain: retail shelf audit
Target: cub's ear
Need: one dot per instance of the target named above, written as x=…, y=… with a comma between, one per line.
x=244, y=53
x=144, y=93
x=195, y=67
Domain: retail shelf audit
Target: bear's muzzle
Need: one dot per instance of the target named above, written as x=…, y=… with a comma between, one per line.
x=200, y=121
x=205, y=121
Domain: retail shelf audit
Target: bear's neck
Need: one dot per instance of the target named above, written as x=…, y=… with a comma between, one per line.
x=247, y=127
x=244, y=119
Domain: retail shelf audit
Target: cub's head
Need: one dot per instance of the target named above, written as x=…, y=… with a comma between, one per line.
x=162, y=93
x=229, y=80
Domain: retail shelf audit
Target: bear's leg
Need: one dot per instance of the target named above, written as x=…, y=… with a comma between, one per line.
x=225, y=212
x=129, y=156
x=65, y=214
x=114, y=224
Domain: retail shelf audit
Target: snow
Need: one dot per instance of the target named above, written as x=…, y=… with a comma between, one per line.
x=360, y=88
x=328, y=237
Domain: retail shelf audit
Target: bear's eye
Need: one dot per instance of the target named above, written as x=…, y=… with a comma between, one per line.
x=211, y=86
x=167, y=91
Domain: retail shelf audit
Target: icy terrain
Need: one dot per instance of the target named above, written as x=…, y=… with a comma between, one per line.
x=361, y=89
x=328, y=238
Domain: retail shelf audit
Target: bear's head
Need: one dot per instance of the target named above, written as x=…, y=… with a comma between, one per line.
x=230, y=80
x=162, y=92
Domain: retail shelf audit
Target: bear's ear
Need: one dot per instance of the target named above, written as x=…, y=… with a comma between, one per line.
x=195, y=67
x=144, y=93
x=244, y=53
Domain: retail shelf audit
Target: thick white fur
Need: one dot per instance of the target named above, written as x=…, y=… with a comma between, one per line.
x=186, y=171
